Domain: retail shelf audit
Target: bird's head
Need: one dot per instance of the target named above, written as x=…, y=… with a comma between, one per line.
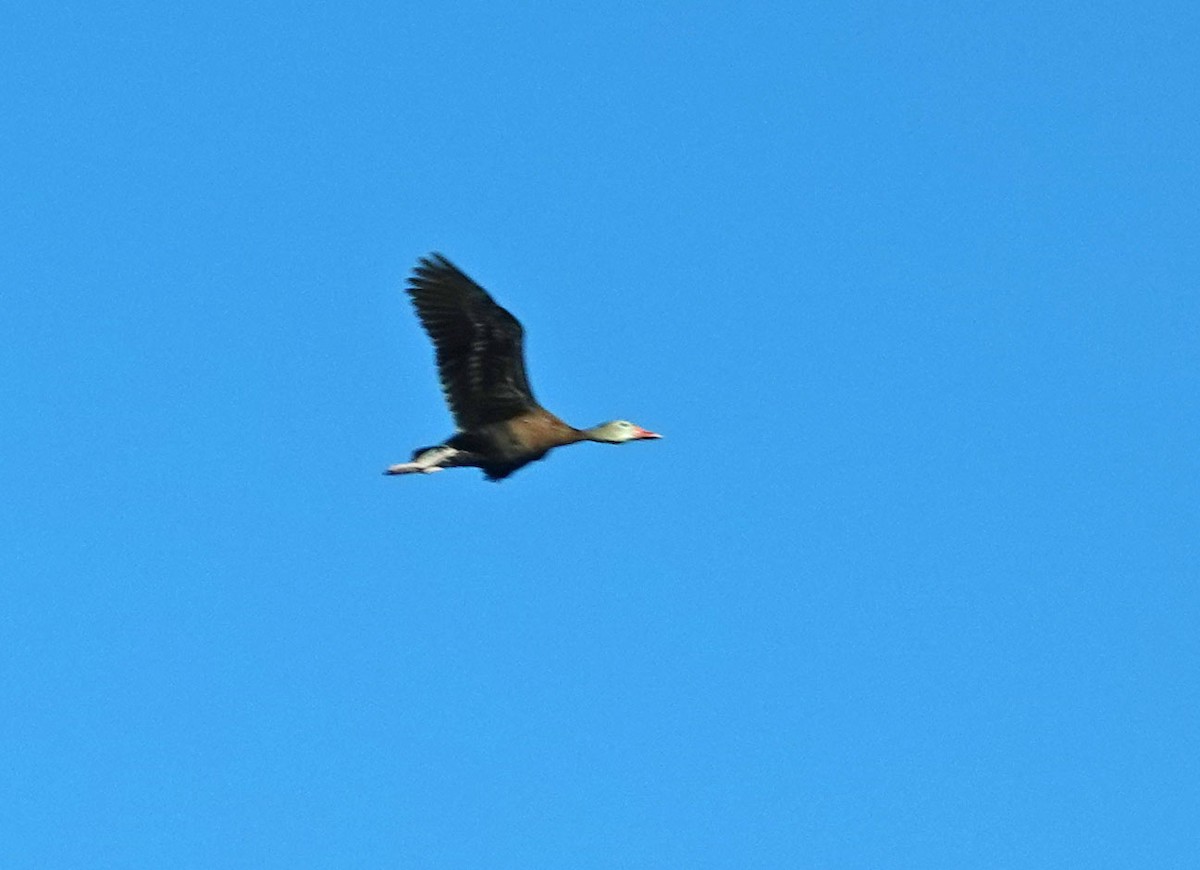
x=620, y=431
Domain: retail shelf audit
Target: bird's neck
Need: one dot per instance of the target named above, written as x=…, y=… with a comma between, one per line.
x=595, y=433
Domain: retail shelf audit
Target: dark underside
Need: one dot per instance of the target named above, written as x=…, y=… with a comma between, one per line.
x=497, y=473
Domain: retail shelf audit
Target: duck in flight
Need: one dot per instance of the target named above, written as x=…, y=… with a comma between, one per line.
x=481, y=365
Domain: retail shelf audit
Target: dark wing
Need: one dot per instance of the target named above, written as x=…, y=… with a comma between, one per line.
x=480, y=358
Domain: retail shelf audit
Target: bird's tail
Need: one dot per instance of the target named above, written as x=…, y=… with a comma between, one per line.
x=416, y=454
x=426, y=460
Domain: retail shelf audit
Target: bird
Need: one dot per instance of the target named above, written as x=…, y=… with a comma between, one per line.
x=479, y=350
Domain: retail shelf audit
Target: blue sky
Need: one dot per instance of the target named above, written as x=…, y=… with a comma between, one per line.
x=910, y=289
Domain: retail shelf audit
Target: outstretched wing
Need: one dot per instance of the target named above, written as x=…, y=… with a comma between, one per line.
x=480, y=354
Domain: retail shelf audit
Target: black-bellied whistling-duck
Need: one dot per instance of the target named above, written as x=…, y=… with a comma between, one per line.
x=481, y=364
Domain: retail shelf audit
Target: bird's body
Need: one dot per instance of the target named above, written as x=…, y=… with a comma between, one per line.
x=503, y=447
x=481, y=365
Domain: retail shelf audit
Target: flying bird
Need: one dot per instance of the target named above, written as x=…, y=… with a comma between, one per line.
x=481, y=366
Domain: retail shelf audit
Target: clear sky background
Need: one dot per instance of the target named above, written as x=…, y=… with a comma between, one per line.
x=910, y=288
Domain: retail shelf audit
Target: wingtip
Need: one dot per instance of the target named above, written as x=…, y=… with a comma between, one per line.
x=435, y=260
x=430, y=267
